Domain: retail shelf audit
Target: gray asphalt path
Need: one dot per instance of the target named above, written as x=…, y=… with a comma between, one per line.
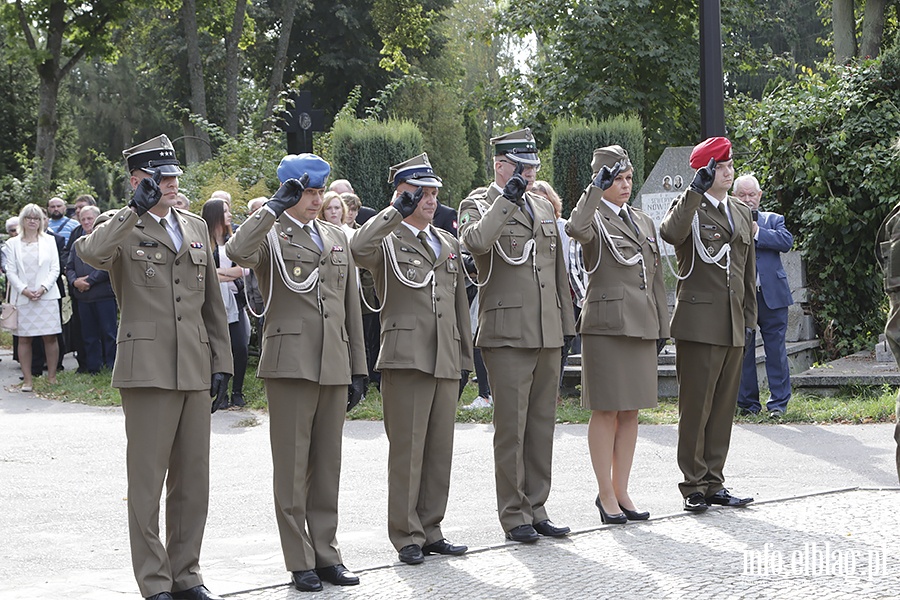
x=62, y=491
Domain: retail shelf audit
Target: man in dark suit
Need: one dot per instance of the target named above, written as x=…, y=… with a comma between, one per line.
x=714, y=307
x=445, y=218
x=773, y=296
x=173, y=354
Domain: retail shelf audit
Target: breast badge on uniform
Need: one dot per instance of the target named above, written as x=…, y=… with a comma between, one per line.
x=411, y=274
x=139, y=253
x=298, y=271
x=150, y=272
x=197, y=245
x=158, y=256
x=337, y=248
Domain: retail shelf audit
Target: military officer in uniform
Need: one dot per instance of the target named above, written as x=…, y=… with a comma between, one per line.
x=625, y=314
x=426, y=342
x=887, y=252
x=524, y=313
x=715, y=307
x=312, y=350
x=173, y=353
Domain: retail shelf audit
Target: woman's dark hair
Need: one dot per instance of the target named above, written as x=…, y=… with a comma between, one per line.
x=213, y=212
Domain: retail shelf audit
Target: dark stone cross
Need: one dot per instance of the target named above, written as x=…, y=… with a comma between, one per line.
x=300, y=122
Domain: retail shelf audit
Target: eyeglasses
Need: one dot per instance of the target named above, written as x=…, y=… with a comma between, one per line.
x=32, y=218
x=525, y=167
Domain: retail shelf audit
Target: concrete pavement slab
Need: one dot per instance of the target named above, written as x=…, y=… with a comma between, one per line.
x=64, y=519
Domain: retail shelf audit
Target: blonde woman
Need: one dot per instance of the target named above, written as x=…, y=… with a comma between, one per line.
x=334, y=210
x=32, y=268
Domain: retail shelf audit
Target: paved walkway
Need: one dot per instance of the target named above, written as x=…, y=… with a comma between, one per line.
x=64, y=523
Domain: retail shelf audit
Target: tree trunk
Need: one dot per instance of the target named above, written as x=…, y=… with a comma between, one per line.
x=201, y=147
x=47, y=123
x=233, y=68
x=844, y=23
x=275, y=81
x=873, y=28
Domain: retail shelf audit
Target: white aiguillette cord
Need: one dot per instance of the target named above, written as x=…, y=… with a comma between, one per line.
x=529, y=250
x=704, y=254
x=276, y=257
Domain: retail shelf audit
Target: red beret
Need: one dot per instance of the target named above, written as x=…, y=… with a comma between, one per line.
x=718, y=148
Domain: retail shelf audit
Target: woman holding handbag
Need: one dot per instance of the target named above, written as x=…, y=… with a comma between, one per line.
x=32, y=268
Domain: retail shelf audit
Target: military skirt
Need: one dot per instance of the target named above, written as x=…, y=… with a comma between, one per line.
x=618, y=373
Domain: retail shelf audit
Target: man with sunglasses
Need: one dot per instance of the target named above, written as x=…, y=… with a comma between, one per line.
x=524, y=315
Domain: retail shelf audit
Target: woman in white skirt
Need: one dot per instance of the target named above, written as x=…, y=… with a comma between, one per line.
x=32, y=268
x=624, y=315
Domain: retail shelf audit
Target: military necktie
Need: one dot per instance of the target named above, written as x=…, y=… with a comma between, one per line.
x=724, y=212
x=309, y=230
x=423, y=237
x=626, y=216
x=173, y=232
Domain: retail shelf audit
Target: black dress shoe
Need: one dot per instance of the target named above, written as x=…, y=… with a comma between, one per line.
x=238, y=400
x=523, y=533
x=633, y=515
x=337, y=575
x=444, y=547
x=547, y=528
x=724, y=498
x=608, y=519
x=411, y=554
x=306, y=581
x=695, y=503
x=198, y=592
x=160, y=596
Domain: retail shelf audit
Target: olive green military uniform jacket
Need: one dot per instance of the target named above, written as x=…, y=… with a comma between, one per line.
x=621, y=299
x=526, y=305
x=317, y=335
x=173, y=332
x=713, y=306
x=422, y=329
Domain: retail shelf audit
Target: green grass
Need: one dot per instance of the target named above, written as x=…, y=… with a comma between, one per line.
x=852, y=405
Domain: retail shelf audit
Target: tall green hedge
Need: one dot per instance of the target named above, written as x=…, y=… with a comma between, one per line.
x=363, y=152
x=572, y=147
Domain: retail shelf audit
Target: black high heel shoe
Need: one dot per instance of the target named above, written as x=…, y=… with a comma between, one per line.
x=617, y=519
x=633, y=515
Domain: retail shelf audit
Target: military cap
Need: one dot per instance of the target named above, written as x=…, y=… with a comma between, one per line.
x=608, y=156
x=718, y=148
x=415, y=171
x=293, y=166
x=518, y=146
x=158, y=154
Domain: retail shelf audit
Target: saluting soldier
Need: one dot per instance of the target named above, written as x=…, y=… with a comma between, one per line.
x=523, y=315
x=887, y=252
x=173, y=353
x=426, y=343
x=715, y=307
x=312, y=350
x=625, y=314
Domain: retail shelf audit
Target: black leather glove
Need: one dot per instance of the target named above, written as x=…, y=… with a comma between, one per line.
x=287, y=195
x=660, y=344
x=704, y=177
x=218, y=389
x=356, y=391
x=468, y=262
x=406, y=203
x=514, y=189
x=607, y=176
x=147, y=193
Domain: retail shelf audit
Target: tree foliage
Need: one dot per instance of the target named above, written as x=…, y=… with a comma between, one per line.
x=826, y=151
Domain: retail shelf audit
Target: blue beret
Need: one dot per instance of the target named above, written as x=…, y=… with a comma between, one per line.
x=293, y=166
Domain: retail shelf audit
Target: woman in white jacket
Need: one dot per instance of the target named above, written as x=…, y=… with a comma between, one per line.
x=32, y=268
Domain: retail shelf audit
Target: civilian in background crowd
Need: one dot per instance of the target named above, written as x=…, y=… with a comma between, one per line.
x=32, y=269
x=95, y=301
